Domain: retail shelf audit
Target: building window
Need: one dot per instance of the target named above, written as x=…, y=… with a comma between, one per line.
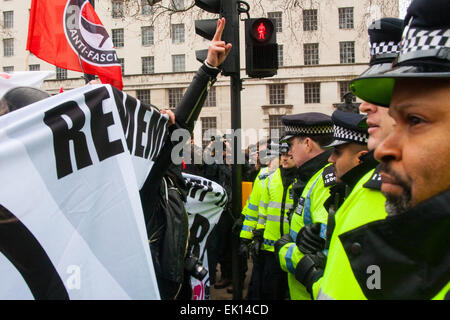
x=208, y=123
x=211, y=98
x=146, y=8
x=280, y=55
x=117, y=38
x=34, y=67
x=276, y=93
x=148, y=65
x=8, y=19
x=275, y=126
x=178, y=33
x=118, y=9
x=61, y=74
x=8, y=69
x=175, y=96
x=344, y=87
x=347, y=51
x=8, y=47
x=345, y=18
x=147, y=35
x=178, y=63
x=312, y=92
x=311, y=53
x=278, y=20
x=177, y=4
x=143, y=95
x=122, y=65
x=310, y=20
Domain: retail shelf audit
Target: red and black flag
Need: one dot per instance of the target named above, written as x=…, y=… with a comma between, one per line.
x=70, y=35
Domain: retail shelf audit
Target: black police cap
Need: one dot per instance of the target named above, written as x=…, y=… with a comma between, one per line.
x=306, y=124
x=424, y=52
x=284, y=147
x=385, y=35
x=349, y=127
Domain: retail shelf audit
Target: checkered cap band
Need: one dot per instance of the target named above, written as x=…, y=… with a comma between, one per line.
x=341, y=133
x=383, y=48
x=308, y=130
x=414, y=39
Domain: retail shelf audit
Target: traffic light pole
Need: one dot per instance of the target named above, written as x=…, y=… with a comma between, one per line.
x=230, y=9
x=235, y=95
x=237, y=260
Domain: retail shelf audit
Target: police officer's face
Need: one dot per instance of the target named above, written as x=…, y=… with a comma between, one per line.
x=379, y=121
x=298, y=151
x=416, y=153
x=287, y=161
x=345, y=157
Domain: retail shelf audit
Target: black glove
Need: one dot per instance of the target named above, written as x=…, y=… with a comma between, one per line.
x=309, y=240
x=309, y=269
x=237, y=226
x=244, y=247
x=286, y=238
x=281, y=242
x=258, y=240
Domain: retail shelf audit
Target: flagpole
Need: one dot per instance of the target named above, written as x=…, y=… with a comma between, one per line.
x=88, y=77
x=27, y=57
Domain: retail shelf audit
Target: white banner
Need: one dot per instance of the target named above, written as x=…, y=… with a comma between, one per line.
x=23, y=78
x=71, y=222
x=205, y=202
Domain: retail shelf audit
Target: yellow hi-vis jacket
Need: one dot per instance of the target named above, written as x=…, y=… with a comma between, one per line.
x=363, y=205
x=310, y=210
x=276, y=200
x=250, y=210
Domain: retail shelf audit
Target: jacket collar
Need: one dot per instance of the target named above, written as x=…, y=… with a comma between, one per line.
x=287, y=176
x=410, y=250
x=352, y=177
x=310, y=167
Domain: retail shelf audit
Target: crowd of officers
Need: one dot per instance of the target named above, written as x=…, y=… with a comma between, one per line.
x=353, y=211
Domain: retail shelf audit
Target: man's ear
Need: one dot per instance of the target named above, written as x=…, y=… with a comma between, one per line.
x=308, y=144
x=361, y=154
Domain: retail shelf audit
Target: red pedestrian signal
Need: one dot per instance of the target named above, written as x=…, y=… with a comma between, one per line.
x=261, y=48
x=262, y=31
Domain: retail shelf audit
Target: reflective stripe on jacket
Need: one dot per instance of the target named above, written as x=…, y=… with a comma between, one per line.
x=273, y=209
x=250, y=210
x=314, y=196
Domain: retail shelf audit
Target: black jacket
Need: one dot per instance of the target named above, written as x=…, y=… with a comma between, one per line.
x=186, y=113
x=163, y=195
x=411, y=251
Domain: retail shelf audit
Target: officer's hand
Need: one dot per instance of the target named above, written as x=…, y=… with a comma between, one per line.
x=244, y=248
x=237, y=226
x=309, y=269
x=309, y=240
x=218, y=50
x=281, y=242
x=319, y=259
x=258, y=240
x=256, y=248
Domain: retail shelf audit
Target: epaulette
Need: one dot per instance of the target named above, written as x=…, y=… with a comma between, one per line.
x=375, y=180
x=264, y=175
x=329, y=176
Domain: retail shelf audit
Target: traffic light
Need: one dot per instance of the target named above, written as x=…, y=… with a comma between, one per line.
x=261, y=48
x=207, y=28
